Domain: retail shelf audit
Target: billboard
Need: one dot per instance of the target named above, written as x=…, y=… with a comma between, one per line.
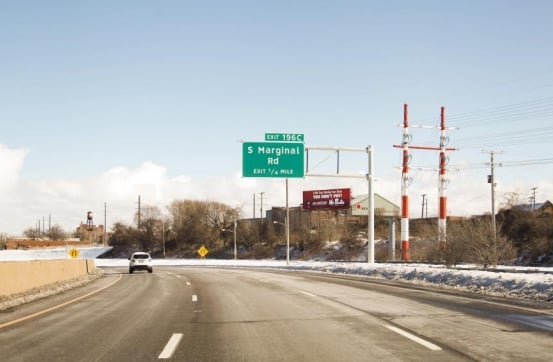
x=327, y=199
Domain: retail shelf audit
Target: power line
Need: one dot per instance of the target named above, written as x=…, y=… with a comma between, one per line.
x=496, y=118
x=511, y=138
x=518, y=163
x=542, y=161
x=538, y=107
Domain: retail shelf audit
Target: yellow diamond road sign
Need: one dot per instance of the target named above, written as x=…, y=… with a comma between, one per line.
x=74, y=253
x=203, y=251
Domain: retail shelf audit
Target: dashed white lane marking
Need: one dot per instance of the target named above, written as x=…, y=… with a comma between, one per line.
x=414, y=338
x=171, y=346
x=307, y=293
x=188, y=283
x=194, y=298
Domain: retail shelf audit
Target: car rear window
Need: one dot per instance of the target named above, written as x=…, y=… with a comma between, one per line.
x=141, y=256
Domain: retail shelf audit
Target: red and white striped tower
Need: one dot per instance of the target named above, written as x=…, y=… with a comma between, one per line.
x=442, y=187
x=406, y=180
x=405, y=189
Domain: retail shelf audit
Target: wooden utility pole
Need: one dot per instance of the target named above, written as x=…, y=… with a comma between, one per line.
x=491, y=181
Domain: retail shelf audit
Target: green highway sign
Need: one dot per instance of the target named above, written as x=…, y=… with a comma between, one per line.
x=284, y=137
x=273, y=159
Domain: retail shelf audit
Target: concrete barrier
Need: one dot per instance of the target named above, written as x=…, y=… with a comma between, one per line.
x=21, y=276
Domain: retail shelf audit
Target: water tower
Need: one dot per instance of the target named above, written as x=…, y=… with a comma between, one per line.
x=90, y=219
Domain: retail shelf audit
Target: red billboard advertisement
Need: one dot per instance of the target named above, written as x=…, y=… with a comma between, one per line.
x=327, y=199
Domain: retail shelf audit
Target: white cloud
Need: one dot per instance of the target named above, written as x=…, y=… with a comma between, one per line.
x=11, y=161
x=120, y=183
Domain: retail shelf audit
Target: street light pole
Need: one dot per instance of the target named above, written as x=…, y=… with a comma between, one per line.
x=163, y=235
x=235, y=251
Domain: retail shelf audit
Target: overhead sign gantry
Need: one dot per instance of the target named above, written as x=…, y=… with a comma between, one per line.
x=283, y=155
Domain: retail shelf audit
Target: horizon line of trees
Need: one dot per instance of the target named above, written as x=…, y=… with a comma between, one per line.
x=184, y=225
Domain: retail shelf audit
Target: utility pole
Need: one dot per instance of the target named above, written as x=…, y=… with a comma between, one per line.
x=534, y=198
x=491, y=180
x=105, y=223
x=426, y=209
x=138, y=212
x=423, y=203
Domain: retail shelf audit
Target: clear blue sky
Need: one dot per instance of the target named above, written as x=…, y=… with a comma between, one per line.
x=95, y=95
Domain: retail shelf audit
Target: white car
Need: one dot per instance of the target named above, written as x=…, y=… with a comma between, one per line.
x=140, y=261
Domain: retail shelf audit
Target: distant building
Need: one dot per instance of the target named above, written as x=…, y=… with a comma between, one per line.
x=382, y=206
x=93, y=234
x=543, y=208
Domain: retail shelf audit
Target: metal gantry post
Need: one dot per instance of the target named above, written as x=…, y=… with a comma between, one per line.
x=287, y=225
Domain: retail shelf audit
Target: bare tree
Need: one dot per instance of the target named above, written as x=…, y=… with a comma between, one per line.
x=31, y=233
x=472, y=241
x=56, y=232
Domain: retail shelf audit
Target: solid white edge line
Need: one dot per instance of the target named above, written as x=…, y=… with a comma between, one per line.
x=307, y=293
x=414, y=338
x=171, y=346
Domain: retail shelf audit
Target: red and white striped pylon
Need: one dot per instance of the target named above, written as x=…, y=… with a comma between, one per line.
x=405, y=181
x=405, y=189
x=442, y=187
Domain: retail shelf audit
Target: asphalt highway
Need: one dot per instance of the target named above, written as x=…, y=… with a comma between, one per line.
x=210, y=314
